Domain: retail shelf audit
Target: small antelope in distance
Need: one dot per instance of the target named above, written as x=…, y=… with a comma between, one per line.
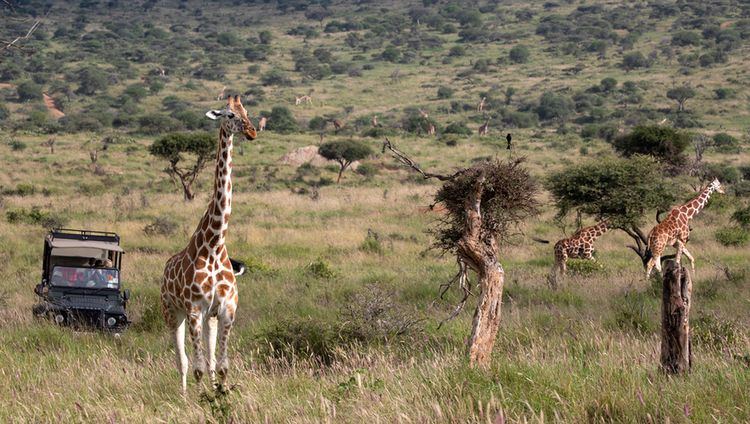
x=375, y=121
x=262, y=123
x=303, y=99
x=430, y=128
x=480, y=108
x=484, y=128
x=221, y=94
x=337, y=125
x=424, y=114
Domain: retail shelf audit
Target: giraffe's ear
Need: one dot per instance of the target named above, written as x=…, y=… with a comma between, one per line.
x=214, y=114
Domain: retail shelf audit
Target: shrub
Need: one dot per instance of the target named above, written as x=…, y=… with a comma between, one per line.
x=4, y=112
x=162, y=225
x=281, y=120
x=635, y=60
x=275, y=77
x=16, y=145
x=317, y=124
x=555, y=106
x=712, y=332
x=372, y=243
x=367, y=170
x=320, y=269
x=459, y=128
x=29, y=90
x=742, y=217
x=664, y=143
x=732, y=236
x=725, y=173
x=725, y=143
x=584, y=266
x=519, y=54
x=725, y=93
x=35, y=216
x=306, y=338
x=444, y=92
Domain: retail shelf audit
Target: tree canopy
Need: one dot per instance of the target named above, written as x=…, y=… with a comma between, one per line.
x=175, y=146
x=344, y=152
x=617, y=190
x=666, y=144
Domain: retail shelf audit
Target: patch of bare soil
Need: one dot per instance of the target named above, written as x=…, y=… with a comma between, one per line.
x=50, y=103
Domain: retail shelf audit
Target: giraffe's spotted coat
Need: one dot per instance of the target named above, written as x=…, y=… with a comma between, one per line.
x=198, y=283
x=579, y=246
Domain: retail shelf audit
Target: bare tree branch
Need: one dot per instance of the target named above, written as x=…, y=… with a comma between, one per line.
x=12, y=44
x=401, y=157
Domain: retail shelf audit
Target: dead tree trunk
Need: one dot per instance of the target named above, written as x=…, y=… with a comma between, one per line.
x=676, y=355
x=479, y=252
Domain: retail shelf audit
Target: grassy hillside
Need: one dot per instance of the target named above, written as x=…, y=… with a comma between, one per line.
x=338, y=315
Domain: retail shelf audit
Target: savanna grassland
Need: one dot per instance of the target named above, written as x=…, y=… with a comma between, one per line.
x=339, y=311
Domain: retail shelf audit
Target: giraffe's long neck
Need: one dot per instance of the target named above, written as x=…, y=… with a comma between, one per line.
x=598, y=230
x=216, y=219
x=694, y=206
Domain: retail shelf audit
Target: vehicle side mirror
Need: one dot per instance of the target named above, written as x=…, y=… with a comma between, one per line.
x=126, y=295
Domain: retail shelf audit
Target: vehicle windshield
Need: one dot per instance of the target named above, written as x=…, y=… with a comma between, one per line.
x=84, y=277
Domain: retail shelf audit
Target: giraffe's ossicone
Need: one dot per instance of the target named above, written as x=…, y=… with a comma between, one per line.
x=198, y=287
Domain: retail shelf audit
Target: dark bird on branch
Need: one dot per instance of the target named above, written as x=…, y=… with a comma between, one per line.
x=509, y=138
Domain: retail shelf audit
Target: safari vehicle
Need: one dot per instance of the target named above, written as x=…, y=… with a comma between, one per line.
x=81, y=284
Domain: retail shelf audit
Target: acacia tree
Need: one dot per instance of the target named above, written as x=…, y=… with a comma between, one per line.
x=176, y=147
x=681, y=95
x=484, y=203
x=617, y=190
x=666, y=144
x=344, y=152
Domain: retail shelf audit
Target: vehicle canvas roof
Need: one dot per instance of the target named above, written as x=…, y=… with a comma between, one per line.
x=60, y=243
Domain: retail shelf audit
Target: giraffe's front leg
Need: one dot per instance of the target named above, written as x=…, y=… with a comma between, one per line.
x=196, y=327
x=689, y=256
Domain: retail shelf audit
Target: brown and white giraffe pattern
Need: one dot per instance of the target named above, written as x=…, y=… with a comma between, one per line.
x=579, y=246
x=674, y=230
x=198, y=285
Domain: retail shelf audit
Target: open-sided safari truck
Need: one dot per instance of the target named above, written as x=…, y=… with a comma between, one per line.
x=81, y=283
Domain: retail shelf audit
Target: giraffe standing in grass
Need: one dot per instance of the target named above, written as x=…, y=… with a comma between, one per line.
x=579, y=246
x=674, y=229
x=198, y=287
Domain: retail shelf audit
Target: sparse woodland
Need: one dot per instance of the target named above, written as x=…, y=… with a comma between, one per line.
x=363, y=275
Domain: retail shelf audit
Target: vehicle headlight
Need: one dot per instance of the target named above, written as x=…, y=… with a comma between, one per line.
x=111, y=321
x=59, y=318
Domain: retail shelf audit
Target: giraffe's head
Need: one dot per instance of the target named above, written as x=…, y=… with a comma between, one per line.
x=717, y=186
x=235, y=118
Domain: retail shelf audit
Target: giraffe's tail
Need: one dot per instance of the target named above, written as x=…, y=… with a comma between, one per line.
x=538, y=240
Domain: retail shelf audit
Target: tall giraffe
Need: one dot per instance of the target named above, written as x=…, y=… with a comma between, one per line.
x=674, y=229
x=198, y=284
x=579, y=246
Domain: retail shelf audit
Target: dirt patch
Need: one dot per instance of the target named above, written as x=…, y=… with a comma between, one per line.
x=307, y=154
x=50, y=103
x=6, y=85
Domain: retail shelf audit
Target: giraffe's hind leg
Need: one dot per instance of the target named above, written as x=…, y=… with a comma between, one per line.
x=196, y=328
x=226, y=320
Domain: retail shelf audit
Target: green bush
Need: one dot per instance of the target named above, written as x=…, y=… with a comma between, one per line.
x=459, y=128
x=519, y=54
x=584, y=266
x=714, y=333
x=732, y=236
x=34, y=216
x=16, y=145
x=281, y=120
x=305, y=338
x=742, y=217
x=317, y=123
x=320, y=269
x=368, y=170
x=664, y=143
x=444, y=92
x=725, y=143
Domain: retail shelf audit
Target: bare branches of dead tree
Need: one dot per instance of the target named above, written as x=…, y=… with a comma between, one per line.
x=401, y=157
x=7, y=45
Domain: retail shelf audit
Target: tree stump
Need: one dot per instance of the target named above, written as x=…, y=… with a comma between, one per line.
x=676, y=356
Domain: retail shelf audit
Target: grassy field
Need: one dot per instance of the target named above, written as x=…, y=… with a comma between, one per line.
x=338, y=271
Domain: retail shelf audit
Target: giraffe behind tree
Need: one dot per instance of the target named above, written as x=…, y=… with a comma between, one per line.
x=579, y=246
x=674, y=230
x=198, y=285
